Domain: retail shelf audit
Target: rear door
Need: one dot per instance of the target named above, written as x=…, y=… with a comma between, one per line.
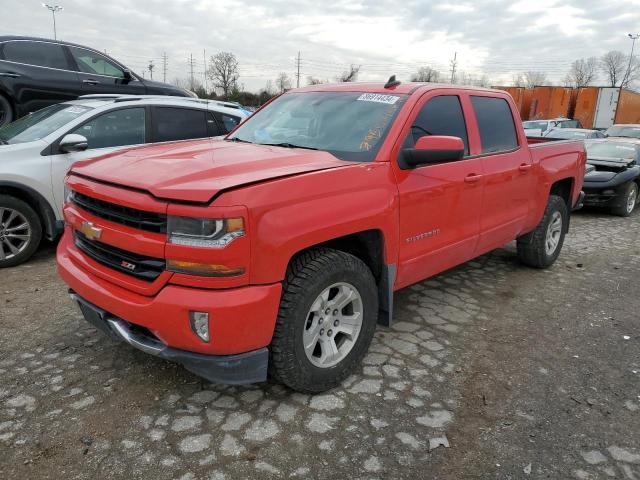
x=439, y=203
x=176, y=123
x=100, y=74
x=37, y=74
x=507, y=167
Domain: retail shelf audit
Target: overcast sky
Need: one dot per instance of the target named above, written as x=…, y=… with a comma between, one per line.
x=496, y=37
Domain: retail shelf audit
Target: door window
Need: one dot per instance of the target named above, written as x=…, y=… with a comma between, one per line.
x=94, y=63
x=40, y=54
x=495, y=122
x=439, y=116
x=171, y=123
x=115, y=129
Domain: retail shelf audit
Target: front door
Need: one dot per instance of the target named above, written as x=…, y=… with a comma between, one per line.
x=440, y=203
x=99, y=74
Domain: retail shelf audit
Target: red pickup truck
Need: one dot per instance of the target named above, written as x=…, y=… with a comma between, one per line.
x=277, y=250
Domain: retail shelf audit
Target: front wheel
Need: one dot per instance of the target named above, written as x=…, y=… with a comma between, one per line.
x=327, y=317
x=6, y=112
x=20, y=231
x=542, y=248
x=627, y=200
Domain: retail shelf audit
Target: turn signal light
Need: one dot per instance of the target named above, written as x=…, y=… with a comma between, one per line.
x=203, y=269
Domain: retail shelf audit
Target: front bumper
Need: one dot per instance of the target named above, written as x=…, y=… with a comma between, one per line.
x=249, y=367
x=603, y=196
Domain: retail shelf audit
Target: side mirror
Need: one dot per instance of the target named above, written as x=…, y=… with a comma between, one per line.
x=433, y=149
x=73, y=143
x=127, y=75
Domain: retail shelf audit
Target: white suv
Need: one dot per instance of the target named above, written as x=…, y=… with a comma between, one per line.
x=37, y=150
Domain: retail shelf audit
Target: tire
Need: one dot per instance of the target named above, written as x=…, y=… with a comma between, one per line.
x=6, y=111
x=17, y=244
x=537, y=252
x=302, y=312
x=628, y=200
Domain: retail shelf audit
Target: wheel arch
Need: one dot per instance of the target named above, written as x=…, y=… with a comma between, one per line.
x=36, y=201
x=368, y=246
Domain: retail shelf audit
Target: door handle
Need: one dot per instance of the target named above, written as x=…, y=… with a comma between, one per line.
x=10, y=75
x=472, y=178
x=525, y=167
x=91, y=82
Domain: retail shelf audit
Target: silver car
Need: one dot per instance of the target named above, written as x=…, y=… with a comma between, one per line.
x=37, y=150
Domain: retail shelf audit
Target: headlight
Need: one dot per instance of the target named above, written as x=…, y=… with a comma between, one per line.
x=204, y=232
x=67, y=194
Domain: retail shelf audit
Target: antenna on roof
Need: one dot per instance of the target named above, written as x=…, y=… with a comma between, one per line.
x=392, y=82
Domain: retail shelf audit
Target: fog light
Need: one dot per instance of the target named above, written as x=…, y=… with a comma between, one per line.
x=200, y=324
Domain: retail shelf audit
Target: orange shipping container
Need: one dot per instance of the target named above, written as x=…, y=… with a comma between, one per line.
x=521, y=97
x=552, y=102
x=628, y=110
x=586, y=102
x=540, y=101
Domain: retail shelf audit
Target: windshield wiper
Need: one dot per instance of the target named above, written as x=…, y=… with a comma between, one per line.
x=236, y=139
x=289, y=145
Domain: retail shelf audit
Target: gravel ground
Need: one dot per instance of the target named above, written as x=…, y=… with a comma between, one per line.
x=491, y=370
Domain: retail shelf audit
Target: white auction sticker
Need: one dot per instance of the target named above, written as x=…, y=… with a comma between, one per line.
x=376, y=97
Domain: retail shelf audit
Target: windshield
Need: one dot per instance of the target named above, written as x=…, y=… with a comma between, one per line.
x=349, y=125
x=563, y=133
x=624, y=131
x=41, y=123
x=610, y=149
x=535, y=125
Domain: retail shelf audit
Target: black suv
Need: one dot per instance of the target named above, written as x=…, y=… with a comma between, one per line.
x=35, y=73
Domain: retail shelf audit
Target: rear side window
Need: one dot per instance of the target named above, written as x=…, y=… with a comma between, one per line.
x=439, y=116
x=40, y=54
x=170, y=123
x=229, y=122
x=495, y=122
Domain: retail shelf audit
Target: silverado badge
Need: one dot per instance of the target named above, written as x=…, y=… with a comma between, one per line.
x=90, y=231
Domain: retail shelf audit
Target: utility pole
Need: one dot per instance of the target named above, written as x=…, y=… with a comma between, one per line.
x=164, y=67
x=191, y=70
x=454, y=64
x=298, y=74
x=53, y=9
x=633, y=37
x=151, y=66
x=204, y=57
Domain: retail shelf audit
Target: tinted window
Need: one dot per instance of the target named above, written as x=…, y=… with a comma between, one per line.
x=439, y=116
x=497, y=130
x=36, y=53
x=229, y=122
x=94, y=63
x=179, y=124
x=115, y=129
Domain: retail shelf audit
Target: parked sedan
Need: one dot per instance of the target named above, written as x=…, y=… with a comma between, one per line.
x=538, y=128
x=624, y=131
x=574, y=134
x=37, y=150
x=35, y=73
x=613, y=181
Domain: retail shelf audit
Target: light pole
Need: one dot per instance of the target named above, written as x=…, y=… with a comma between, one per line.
x=633, y=37
x=54, y=9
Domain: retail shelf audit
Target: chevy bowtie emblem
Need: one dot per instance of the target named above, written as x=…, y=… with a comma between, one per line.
x=90, y=231
x=129, y=266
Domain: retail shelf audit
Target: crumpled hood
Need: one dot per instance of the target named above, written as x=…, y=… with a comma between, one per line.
x=197, y=170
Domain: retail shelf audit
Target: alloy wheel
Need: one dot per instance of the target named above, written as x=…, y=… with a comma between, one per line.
x=631, y=198
x=15, y=233
x=332, y=325
x=554, y=232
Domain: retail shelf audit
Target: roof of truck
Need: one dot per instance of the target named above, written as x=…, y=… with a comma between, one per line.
x=379, y=87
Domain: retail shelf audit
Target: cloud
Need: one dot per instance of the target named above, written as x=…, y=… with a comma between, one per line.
x=496, y=37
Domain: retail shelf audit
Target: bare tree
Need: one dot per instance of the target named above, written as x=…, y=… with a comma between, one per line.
x=314, y=81
x=518, y=80
x=223, y=71
x=614, y=65
x=426, y=74
x=632, y=72
x=351, y=75
x=283, y=82
x=582, y=72
x=532, y=78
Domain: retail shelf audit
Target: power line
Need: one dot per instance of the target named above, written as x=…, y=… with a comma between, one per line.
x=191, y=64
x=298, y=73
x=151, y=66
x=454, y=64
x=164, y=67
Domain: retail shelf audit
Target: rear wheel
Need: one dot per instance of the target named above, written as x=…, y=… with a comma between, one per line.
x=327, y=317
x=542, y=249
x=20, y=231
x=628, y=200
x=6, y=112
